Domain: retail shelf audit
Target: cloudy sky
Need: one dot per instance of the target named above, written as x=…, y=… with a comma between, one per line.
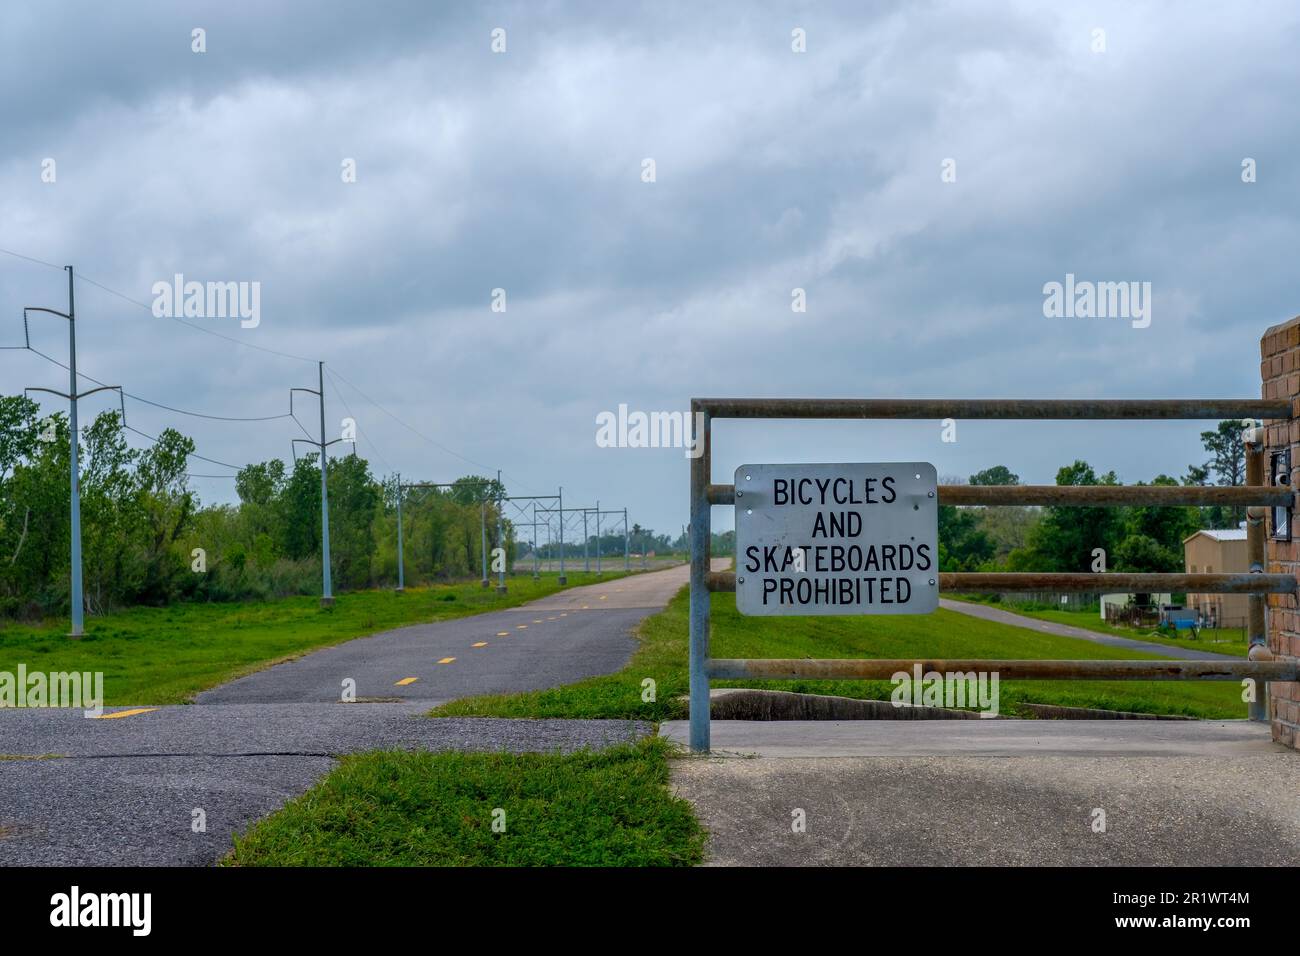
x=826, y=170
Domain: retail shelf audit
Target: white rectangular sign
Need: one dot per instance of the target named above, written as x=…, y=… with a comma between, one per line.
x=837, y=539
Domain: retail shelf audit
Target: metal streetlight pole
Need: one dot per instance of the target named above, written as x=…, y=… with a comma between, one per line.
x=401, y=572
x=327, y=595
x=597, y=537
x=627, y=560
x=74, y=470
x=501, y=543
x=327, y=590
x=563, y=578
x=483, y=528
x=77, y=597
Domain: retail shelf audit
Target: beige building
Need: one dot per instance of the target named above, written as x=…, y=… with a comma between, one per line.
x=1212, y=552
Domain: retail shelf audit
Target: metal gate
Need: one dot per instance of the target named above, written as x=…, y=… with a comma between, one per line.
x=1256, y=495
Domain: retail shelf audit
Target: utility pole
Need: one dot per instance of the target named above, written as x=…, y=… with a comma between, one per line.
x=327, y=590
x=77, y=596
x=501, y=542
x=563, y=578
x=627, y=562
x=327, y=596
x=586, y=539
x=401, y=574
x=483, y=527
x=598, y=537
x=535, y=541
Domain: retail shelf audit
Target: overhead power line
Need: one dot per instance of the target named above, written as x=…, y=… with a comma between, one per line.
x=146, y=401
x=149, y=308
x=337, y=376
x=136, y=430
x=211, y=461
x=420, y=434
x=365, y=433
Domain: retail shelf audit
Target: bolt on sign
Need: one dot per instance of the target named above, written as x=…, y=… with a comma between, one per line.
x=837, y=539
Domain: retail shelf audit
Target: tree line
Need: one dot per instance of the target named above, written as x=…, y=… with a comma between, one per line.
x=1061, y=538
x=148, y=539
x=144, y=528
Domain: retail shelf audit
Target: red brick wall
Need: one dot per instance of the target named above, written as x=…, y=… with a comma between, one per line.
x=1279, y=371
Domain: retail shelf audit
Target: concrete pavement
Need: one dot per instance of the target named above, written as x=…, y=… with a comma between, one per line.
x=568, y=636
x=992, y=793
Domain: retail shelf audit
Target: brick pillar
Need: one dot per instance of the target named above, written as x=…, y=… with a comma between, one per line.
x=1280, y=374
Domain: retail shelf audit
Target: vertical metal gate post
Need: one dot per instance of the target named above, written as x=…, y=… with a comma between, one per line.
x=701, y=467
x=1256, y=604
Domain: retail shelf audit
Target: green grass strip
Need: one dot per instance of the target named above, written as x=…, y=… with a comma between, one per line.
x=395, y=808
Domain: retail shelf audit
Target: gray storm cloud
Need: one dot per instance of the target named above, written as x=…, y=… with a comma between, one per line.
x=775, y=170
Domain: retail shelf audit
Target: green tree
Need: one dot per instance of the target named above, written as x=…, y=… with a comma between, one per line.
x=963, y=546
x=1066, y=537
x=297, y=509
x=354, y=498
x=997, y=475
x=1165, y=526
x=1227, y=463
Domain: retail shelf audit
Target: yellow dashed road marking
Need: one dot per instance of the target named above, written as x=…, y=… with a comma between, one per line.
x=499, y=633
x=406, y=680
x=521, y=627
x=446, y=660
x=479, y=644
x=125, y=713
x=602, y=597
x=538, y=621
x=549, y=618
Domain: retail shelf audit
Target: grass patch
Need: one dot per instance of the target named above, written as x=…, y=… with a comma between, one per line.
x=166, y=655
x=662, y=657
x=395, y=808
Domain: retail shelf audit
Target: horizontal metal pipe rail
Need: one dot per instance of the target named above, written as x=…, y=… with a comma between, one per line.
x=1003, y=408
x=1027, y=582
x=705, y=494
x=836, y=669
x=1087, y=496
